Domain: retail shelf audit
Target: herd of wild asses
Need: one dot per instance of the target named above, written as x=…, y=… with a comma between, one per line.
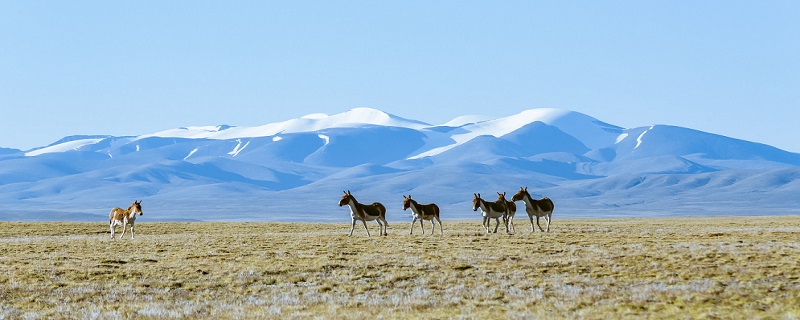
x=501, y=208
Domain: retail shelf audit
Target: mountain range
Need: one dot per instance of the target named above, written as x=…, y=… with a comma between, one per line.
x=296, y=170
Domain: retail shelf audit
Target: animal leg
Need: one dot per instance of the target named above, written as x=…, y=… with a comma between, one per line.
x=537, y=223
x=549, y=216
x=511, y=222
x=532, y=228
x=496, y=224
x=111, y=226
x=412, y=225
x=124, y=226
x=365, y=227
x=385, y=226
x=440, y=224
x=422, y=226
x=353, y=227
x=433, y=227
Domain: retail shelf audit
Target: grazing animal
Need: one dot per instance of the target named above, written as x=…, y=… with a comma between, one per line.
x=423, y=212
x=539, y=208
x=508, y=219
x=124, y=217
x=490, y=210
x=375, y=211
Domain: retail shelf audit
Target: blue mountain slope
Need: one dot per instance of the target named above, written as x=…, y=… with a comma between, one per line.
x=283, y=148
x=538, y=137
x=374, y=144
x=676, y=141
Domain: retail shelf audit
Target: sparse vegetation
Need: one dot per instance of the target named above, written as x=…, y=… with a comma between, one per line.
x=611, y=268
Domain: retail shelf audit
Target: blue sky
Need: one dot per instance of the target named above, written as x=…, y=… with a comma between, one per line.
x=135, y=67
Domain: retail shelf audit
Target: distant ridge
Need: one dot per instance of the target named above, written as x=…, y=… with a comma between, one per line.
x=296, y=169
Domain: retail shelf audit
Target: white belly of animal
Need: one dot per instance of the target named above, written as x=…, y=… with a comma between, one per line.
x=357, y=217
x=493, y=214
x=415, y=213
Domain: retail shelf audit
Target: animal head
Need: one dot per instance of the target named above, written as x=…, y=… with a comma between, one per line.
x=136, y=207
x=476, y=201
x=346, y=198
x=520, y=194
x=501, y=197
x=406, y=202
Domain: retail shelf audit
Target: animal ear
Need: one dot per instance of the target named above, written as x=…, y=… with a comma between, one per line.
x=526, y=189
x=348, y=193
x=345, y=192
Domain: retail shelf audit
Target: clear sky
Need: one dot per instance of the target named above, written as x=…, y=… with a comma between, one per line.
x=136, y=67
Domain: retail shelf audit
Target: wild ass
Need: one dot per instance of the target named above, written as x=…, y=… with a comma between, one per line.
x=375, y=211
x=508, y=219
x=491, y=210
x=120, y=217
x=423, y=212
x=539, y=208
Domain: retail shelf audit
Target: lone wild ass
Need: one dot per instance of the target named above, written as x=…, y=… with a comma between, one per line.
x=120, y=217
x=375, y=211
x=423, y=212
x=539, y=208
x=491, y=210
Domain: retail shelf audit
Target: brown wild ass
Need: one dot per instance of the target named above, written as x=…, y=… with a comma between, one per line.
x=539, y=208
x=423, y=212
x=508, y=219
x=491, y=210
x=375, y=211
x=120, y=217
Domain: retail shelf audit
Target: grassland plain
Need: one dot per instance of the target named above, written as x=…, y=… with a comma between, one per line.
x=742, y=267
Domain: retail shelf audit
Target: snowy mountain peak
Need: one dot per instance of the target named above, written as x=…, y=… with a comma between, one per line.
x=591, y=132
x=366, y=115
x=315, y=116
x=354, y=118
x=371, y=116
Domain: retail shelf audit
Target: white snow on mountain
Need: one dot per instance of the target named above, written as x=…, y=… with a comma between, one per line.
x=296, y=169
x=465, y=120
x=590, y=131
x=63, y=147
x=357, y=117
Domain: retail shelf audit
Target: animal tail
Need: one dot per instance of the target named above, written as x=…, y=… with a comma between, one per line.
x=436, y=210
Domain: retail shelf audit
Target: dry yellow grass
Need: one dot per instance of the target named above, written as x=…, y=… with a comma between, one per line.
x=611, y=268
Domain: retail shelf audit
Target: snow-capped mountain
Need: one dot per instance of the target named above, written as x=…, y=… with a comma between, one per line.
x=297, y=169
